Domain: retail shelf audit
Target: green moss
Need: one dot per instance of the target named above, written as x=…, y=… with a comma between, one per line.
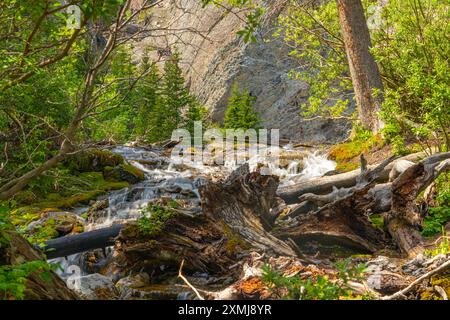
x=234, y=242
x=442, y=281
x=347, y=154
x=377, y=220
x=26, y=197
x=93, y=160
x=54, y=202
x=154, y=219
x=133, y=170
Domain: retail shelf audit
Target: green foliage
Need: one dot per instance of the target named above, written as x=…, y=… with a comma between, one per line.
x=5, y=223
x=411, y=47
x=319, y=288
x=148, y=99
x=433, y=222
x=442, y=245
x=13, y=278
x=240, y=113
x=312, y=29
x=168, y=105
x=155, y=217
x=412, y=50
x=253, y=18
x=438, y=215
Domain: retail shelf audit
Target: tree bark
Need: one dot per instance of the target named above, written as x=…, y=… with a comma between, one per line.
x=325, y=185
x=363, y=68
x=403, y=221
x=71, y=244
x=17, y=251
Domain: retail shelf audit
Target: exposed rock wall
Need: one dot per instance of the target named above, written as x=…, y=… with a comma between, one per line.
x=213, y=57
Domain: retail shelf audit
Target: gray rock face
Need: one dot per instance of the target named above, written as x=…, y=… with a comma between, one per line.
x=213, y=57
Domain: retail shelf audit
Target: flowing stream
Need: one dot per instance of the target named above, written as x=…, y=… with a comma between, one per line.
x=165, y=178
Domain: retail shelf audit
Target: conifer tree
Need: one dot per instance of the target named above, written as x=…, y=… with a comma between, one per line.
x=148, y=99
x=240, y=113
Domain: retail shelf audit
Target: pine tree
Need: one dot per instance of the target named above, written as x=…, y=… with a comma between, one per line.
x=175, y=107
x=240, y=113
x=194, y=112
x=148, y=100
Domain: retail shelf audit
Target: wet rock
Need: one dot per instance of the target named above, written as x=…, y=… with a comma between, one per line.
x=138, y=287
x=96, y=287
x=125, y=172
x=127, y=287
x=62, y=222
x=382, y=263
x=213, y=65
x=98, y=211
x=415, y=266
x=386, y=282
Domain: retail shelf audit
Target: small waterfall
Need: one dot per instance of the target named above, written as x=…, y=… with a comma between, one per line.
x=164, y=178
x=316, y=165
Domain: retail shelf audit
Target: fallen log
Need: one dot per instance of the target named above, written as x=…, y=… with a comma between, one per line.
x=343, y=219
x=403, y=221
x=396, y=200
x=65, y=246
x=326, y=184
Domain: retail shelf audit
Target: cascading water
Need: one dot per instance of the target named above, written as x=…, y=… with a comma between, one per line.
x=166, y=178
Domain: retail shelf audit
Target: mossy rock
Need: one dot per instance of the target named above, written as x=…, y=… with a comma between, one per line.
x=124, y=172
x=347, y=154
x=93, y=160
x=25, y=197
x=53, y=225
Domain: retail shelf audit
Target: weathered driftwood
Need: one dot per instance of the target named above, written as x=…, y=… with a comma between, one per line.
x=403, y=220
x=325, y=185
x=17, y=251
x=65, y=246
x=343, y=220
x=397, y=198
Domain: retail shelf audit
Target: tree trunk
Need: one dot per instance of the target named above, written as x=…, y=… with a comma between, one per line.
x=71, y=244
x=363, y=68
x=17, y=251
x=404, y=221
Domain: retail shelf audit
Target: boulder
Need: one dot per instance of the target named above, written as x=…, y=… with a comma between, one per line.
x=93, y=160
x=124, y=172
x=95, y=287
x=62, y=222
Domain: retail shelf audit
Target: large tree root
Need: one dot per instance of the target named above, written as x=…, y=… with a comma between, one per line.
x=236, y=217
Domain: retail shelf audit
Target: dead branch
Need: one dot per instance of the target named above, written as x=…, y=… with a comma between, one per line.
x=401, y=294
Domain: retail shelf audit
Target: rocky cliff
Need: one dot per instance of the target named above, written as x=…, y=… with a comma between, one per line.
x=213, y=57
